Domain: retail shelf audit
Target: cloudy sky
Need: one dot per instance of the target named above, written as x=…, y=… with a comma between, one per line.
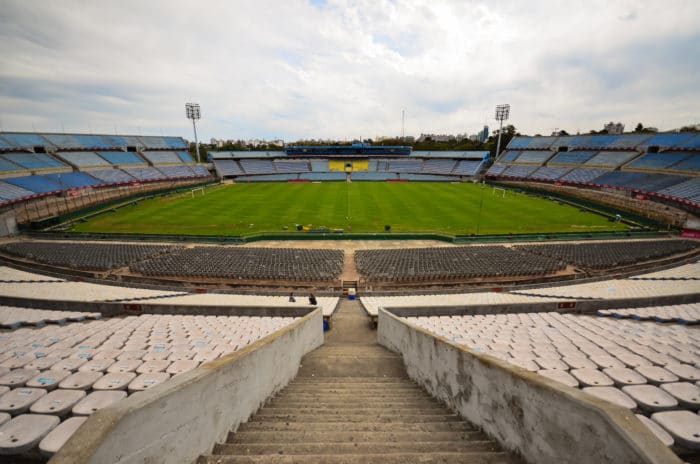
x=342, y=69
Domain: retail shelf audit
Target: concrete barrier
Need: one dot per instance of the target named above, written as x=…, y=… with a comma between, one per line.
x=183, y=418
x=542, y=420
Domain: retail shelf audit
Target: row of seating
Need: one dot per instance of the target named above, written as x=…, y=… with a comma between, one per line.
x=52, y=378
x=23, y=140
x=12, y=317
x=682, y=140
x=651, y=369
x=246, y=263
x=94, y=256
x=682, y=314
x=451, y=263
x=20, y=284
x=602, y=255
x=15, y=188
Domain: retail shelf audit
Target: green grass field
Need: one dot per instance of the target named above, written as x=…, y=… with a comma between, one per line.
x=241, y=209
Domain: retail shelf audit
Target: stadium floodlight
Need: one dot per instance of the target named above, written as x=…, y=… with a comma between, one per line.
x=502, y=112
x=193, y=112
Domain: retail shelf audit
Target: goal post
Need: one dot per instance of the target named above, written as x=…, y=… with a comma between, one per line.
x=194, y=191
x=499, y=191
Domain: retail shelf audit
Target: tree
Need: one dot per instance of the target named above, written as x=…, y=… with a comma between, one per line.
x=639, y=127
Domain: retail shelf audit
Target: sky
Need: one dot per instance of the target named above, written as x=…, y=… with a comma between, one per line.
x=341, y=69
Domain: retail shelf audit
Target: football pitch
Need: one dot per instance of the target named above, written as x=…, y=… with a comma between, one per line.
x=434, y=207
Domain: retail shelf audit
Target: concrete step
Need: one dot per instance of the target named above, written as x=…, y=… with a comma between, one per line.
x=354, y=389
x=381, y=380
x=460, y=426
x=476, y=457
x=354, y=447
x=291, y=402
x=378, y=416
x=322, y=411
x=351, y=397
x=306, y=436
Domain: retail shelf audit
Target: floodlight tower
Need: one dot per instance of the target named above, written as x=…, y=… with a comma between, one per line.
x=502, y=112
x=192, y=111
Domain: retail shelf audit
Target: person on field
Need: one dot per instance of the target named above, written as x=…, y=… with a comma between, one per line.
x=312, y=300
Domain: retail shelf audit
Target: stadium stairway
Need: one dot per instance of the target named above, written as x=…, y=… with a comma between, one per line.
x=352, y=402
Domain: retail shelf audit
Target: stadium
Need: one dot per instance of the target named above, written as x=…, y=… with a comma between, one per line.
x=350, y=303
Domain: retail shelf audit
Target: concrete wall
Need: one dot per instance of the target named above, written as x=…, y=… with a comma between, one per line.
x=183, y=418
x=542, y=420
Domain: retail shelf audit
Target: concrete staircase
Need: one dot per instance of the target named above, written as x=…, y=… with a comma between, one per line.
x=353, y=403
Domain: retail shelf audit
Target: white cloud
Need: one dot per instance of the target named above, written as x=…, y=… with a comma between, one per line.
x=345, y=69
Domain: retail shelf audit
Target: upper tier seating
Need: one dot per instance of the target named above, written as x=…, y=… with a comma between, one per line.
x=572, y=157
x=121, y=157
x=110, y=176
x=185, y=156
x=83, y=159
x=34, y=160
x=9, y=166
x=509, y=156
x=283, y=166
x=691, y=164
x=668, y=140
x=162, y=157
x=228, y=167
x=657, y=161
x=533, y=157
x=610, y=158
x=405, y=165
x=321, y=165
x=257, y=166
x=176, y=171
x=20, y=140
x=468, y=167
x=438, y=166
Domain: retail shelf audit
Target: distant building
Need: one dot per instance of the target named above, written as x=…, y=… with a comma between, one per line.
x=614, y=128
x=484, y=134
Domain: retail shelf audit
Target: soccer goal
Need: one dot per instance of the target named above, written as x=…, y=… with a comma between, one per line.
x=194, y=191
x=499, y=191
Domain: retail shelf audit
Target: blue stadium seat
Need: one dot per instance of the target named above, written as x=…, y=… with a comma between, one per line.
x=162, y=157
x=110, y=176
x=655, y=161
x=34, y=160
x=82, y=159
x=22, y=140
x=668, y=140
x=533, y=157
x=121, y=157
x=36, y=184
x=572, y=157
x=691, y=164
x=73, y=179
x=468, y=167
x=8, y=166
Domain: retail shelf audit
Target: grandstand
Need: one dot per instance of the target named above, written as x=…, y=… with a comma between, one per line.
x=291, y=165
x=40, y=164
x=640, y=163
